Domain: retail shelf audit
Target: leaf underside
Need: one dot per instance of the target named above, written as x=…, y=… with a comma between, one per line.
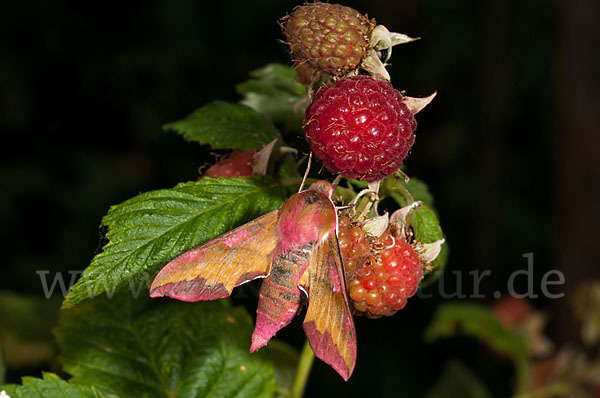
x=224, y=125
x=275, y=91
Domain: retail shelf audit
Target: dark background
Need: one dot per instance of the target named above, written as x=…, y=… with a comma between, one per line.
x=509, y=147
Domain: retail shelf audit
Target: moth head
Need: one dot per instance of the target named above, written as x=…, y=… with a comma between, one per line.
x=322, y=186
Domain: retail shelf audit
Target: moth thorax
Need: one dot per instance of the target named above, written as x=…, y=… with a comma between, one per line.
x=305, y=218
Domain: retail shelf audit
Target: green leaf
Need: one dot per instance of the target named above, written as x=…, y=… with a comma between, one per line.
x=425, y=222
x=149, y=230
x=163, y=348
x=275, y=91
x=416, y=188
x=458, y=381
x=359, y=184
x=427, y=229
x=426, y=225
x=419, y=191
x=285, y=361
x=278, y=78
x=49, y=386
x=223, y=125
x=479, y=322
x=287, y=167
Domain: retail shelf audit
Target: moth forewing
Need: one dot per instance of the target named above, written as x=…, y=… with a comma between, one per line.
x=211, y=270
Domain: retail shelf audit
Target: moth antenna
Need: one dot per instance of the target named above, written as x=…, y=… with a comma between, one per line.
x=306, y=172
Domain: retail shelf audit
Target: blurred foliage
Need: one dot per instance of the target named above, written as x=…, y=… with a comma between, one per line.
x=26, y=330
x=513, y=329
x=476, y=321
x=458, y=381
x=586, y=307
x=2, y=367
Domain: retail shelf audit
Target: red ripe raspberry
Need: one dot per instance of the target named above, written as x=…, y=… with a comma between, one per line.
x=360, y=127
x=355, y=246
x=387, y=280
x=329, y=37
x=236, y=164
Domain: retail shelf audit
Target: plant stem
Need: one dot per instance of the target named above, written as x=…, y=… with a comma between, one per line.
x=401, y=189
x=304, y=364
x=522, y=375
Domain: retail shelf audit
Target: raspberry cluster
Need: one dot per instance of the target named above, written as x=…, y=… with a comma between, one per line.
x=387, y=279
x=355, y=245
x=360, y=127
